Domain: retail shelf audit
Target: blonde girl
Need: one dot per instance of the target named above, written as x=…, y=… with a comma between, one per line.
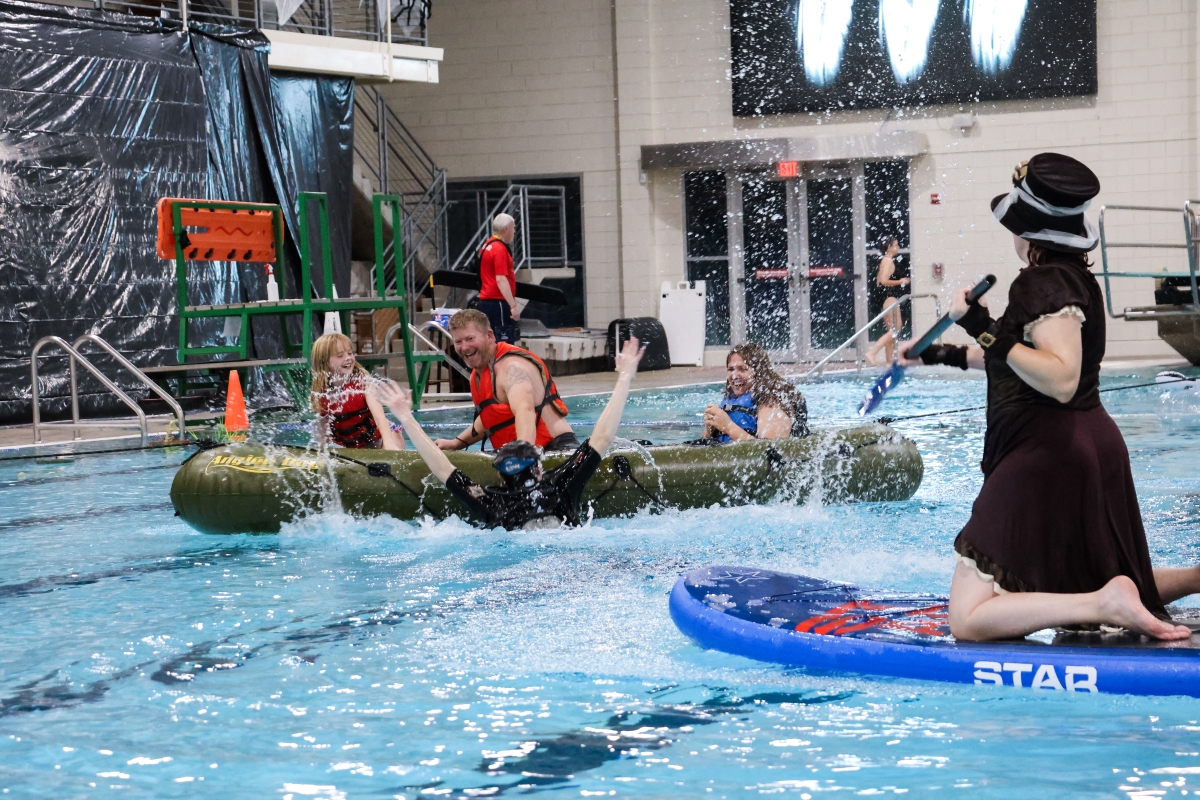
x=347, y=415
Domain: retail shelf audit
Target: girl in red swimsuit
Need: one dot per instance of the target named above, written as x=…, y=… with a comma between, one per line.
x=347, y=415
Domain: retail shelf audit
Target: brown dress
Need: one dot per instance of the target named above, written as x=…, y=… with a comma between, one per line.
x=1058, y=511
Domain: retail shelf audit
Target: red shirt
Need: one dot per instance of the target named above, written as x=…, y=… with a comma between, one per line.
x=495, y=261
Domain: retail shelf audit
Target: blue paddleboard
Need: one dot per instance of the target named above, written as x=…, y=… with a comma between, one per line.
x=824, y=625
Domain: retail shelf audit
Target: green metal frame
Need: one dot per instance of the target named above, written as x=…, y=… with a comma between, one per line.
x=417, y=365
x=186, y=312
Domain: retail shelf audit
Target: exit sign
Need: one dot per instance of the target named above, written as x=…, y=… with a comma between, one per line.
x=788, y=169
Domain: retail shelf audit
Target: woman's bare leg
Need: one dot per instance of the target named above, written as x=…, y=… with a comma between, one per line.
x=892, y=322
x=880, y=343
x=1174, y=583
x=978, y=614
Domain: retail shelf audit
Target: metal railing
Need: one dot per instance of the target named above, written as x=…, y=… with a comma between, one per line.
x=907, y=298
x=406, y=24
x=541, y=219
x=1191, y=240
x=73, y=352
x=395, y=163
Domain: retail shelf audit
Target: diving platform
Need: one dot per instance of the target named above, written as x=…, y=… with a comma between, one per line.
x=1177, y=293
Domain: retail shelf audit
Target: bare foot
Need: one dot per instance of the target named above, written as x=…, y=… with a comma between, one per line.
x=1121, y=605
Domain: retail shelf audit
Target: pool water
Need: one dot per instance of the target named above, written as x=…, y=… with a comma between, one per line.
x=348, y=658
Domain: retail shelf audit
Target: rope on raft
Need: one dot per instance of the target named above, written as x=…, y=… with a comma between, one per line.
x=890, y=420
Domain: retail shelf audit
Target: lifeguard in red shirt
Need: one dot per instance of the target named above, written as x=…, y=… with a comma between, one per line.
x=498, y=281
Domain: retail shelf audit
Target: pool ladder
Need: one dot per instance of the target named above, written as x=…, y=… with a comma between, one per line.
x=72, y=350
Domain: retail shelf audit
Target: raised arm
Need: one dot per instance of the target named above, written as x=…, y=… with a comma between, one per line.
x=399, y=402
x=610, y=419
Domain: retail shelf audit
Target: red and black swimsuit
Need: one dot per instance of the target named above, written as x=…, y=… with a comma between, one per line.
x=351, y=422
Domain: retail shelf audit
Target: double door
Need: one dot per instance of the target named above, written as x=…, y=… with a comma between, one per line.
x=797, y=261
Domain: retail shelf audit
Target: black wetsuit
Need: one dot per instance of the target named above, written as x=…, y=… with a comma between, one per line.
x=557, y=496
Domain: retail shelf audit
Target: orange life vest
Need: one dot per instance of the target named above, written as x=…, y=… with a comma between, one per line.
x=498, y=420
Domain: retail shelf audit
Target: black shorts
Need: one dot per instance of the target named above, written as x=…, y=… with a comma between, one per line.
x=564, y=441
x=500, y=316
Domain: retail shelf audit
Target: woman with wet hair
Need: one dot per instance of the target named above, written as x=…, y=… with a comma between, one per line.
x=758, y=403
x=347, y=414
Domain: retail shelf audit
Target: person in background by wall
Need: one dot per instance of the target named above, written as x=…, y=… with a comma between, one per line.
x=498, y=282
x=893, y=289
x=346, y=413
x=758, y=403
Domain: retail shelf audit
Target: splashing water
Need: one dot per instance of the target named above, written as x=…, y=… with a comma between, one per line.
x=821, y=30
x=352, y=657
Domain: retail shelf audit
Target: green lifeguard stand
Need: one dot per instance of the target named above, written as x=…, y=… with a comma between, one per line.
x=217, y=230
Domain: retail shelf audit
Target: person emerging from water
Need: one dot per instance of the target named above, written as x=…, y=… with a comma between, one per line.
x=347, y=415
x=1055, y=537
x=530, y=497
x=758, y=402
x=514, y=395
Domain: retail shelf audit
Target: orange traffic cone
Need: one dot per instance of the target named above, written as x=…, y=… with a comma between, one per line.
x=235, y=406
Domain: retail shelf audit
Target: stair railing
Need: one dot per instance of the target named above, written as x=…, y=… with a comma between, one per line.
x=908, y=298
x=73, y=352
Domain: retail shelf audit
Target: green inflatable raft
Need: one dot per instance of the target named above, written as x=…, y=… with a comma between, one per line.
x=254, y=488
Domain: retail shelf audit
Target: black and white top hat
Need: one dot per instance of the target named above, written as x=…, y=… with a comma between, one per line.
x=1050, y=193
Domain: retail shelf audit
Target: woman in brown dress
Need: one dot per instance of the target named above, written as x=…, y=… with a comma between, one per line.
x=1055, y=537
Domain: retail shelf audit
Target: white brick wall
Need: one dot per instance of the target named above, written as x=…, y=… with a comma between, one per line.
x=528, y=88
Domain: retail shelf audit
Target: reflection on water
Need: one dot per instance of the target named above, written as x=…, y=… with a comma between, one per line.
x=349, y=658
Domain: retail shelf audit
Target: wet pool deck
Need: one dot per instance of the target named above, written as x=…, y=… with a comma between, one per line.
x=16, y=441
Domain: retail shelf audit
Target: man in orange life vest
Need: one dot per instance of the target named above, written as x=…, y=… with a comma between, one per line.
x=497, y=281
x=514, y=395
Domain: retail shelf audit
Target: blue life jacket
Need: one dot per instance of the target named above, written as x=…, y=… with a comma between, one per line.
x=743, y=412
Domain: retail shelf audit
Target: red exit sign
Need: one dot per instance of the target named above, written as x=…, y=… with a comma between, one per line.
x=788, y=169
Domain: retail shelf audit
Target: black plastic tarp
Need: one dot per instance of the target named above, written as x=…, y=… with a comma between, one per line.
x=100, y=116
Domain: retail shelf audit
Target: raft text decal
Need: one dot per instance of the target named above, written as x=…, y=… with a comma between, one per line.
x=1077, y=679
x=260, y=465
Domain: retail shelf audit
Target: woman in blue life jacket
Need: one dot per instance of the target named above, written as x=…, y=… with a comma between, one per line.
x=758, y=402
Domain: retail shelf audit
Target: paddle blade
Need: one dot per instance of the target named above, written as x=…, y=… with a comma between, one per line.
x=886, y=382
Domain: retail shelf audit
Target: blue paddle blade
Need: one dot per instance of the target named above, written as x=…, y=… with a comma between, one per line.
x=885, y=384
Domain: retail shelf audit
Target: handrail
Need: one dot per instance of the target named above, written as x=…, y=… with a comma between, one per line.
x=521, y=194
x=108, y=384
x=1190, y=235
x=907, y=298
x=135, y=372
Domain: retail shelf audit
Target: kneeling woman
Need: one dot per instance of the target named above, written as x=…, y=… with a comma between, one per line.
x=347, y=415
x=758, y=402
x=1055, y=537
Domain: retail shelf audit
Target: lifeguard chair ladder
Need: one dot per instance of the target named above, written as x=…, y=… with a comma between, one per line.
x=212, y=230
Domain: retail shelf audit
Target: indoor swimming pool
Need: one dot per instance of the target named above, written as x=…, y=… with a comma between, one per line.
x=348, y=658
